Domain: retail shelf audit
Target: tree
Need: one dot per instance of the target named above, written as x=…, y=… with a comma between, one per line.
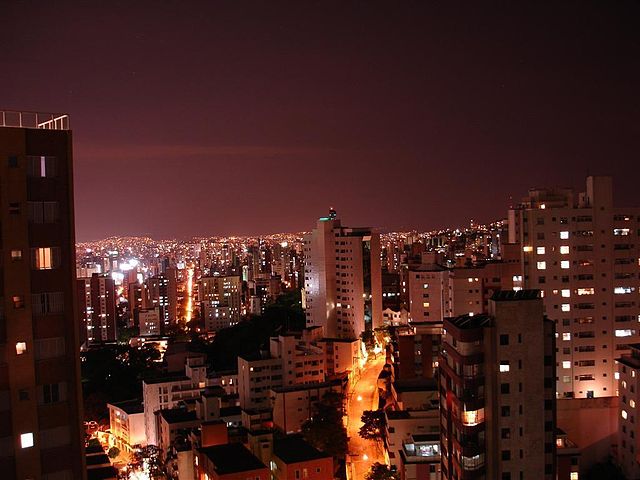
x=325, y=429
x=380, y=471
x=94, y=442
x=373, y=422
x=113, y=452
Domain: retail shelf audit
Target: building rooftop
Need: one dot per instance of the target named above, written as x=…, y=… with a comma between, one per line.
x=416, y=385
x=178, y=415
x=130, y=406
x=513, y=295
x=294, y=449
x=37, y=120
x=464, y=322
x=230, y=411
x=231, y=458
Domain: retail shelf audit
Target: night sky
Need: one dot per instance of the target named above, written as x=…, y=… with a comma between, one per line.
x=249, y=118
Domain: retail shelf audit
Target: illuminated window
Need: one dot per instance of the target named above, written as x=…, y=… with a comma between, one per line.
x=472, y=417
x=566, y=307
x=586, y=291
x=566, y=336
x=504, y=366
x=43, y=258
x=623, y=290
x=566, y=293
x=21, y=347
x=616, y=375
x=632, y=403
x=625, y=332
x=26, y=440
x=623, y=414
x=566, y=364
x=564, y=249
x=566, y=379
x=426, y=285
x=540, y=250
x=542, y=265
x=573, y=476
x=564, y=235
x=565, y=264
x=527, y=249
x=425, y=304
x=16, y=255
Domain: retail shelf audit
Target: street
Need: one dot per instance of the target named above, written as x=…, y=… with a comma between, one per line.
x=363, y=396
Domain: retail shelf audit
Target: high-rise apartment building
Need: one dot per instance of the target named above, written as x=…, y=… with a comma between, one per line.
x=97, y=305
x=161, y=293
x=583, y=253
x=497, y=376
x=40, y=400
x=629, y=393
x=343, y=285
x=220, y=300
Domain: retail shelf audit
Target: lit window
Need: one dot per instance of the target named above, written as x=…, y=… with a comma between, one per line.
x=625, y=333
x=573, y=476
x=566, y=293
x=43, y=260
x=18, y=301
x=504, y=366
x=566, y=307
x=426, y=285
x=623, y=290
x=624, y=414
x=540, y=250
x=586, y=291
x=566, y=378
x=21, y=347
x=624, y=384
x=425, y=304
x=527, y=249
x=564, y=249
x=632, y=403
x=26, y=440
x=542, y=265
x=16, y=255
x=565, y=264
x=564, y=235
x=566, y=364
x=616, y=375
x=472, y=417
x=566, y=336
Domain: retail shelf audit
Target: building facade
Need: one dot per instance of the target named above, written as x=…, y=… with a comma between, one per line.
x=497, y=392
x=343, y=284
x=582, y=252
x=40, y=400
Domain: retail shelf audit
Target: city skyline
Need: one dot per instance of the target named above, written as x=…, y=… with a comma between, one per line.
x=187, y=124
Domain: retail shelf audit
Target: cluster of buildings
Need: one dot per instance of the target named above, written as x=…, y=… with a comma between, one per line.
x=512, y=349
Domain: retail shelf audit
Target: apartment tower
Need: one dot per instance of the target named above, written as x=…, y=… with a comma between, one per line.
x=583, y=254
x=497, y=403
x=41, y=433
x=343, y=283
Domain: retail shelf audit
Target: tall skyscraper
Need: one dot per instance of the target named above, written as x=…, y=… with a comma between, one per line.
x=497, y=375
x=583, y=254
x=343, y=284
x=40, y=400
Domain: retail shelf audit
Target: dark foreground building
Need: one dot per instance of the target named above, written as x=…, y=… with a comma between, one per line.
x=40, y=400
x=498, y=392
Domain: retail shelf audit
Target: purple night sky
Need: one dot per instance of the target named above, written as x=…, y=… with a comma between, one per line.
x=254, y=117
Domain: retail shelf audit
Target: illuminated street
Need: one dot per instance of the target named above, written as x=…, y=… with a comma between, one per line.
x=364, y=396
x=189, y=307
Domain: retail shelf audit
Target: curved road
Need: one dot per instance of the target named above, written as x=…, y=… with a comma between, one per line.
x=363, y=396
